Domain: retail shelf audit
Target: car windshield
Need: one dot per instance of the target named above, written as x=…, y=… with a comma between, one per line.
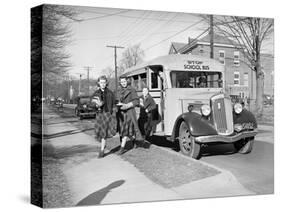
x=84, y=100
x=196, y=79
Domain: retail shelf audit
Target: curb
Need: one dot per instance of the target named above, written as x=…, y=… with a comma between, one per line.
x=222, y=184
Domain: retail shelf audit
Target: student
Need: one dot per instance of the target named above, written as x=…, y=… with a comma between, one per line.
x=148, y=109
x=126, y=116
x=105, y=122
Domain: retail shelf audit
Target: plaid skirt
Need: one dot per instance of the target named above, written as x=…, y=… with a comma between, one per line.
x=125, y=125
x=105, y=125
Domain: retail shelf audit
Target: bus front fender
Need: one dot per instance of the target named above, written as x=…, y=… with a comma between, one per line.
x=196, y=124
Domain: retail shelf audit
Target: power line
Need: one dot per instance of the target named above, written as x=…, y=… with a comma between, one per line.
x=137, y=23
x=136, y=35
x=174, y=34
x=195, y=39
x=146, y=27
x=103, y=16
x=165, y=23
x=134, y=17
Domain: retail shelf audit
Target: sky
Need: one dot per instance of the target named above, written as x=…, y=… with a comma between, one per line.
x=153, y=30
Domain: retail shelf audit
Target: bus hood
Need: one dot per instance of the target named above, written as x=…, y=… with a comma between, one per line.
x=181, y=98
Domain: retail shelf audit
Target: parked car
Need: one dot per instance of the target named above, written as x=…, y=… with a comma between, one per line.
x=85, y=107
x=59, y=104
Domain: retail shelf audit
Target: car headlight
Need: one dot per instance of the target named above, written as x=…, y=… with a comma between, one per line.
x=238, y=108
x=205, y=110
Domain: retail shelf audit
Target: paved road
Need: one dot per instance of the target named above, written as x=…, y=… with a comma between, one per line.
x=255, y=170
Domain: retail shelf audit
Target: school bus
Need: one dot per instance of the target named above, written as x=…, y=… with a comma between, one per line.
x=193, y=107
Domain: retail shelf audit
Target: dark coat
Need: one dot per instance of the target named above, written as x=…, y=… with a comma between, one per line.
x=127, y=119
x=107, y=97
x=149, y=103
x=129, y=94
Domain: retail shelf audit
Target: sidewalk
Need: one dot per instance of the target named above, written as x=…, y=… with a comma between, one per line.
x=113, y=180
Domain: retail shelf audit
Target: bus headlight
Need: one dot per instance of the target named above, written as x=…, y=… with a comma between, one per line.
x=238, y=108
x=205, y=110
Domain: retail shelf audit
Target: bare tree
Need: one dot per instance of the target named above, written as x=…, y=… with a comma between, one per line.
x=131, y=57
x=249, y=33
x=108, y=72
x=56, y=34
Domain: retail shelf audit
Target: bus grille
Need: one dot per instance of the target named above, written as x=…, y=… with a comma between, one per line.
x=222, y=115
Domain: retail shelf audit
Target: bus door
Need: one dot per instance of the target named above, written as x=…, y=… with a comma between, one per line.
x=156, y=90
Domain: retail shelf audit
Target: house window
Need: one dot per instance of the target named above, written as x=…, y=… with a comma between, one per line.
x=246, y=79
x=236, y=81
x=222, y=56
x=236, y=60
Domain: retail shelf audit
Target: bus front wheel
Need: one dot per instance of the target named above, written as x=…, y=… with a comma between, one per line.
x=244, y=146
x=187, y=143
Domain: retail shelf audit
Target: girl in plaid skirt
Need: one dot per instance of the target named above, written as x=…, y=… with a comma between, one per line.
x=105, y=122
x=126, y=115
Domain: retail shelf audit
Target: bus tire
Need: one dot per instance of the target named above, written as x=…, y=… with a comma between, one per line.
x=245, y=146
x=187, y=143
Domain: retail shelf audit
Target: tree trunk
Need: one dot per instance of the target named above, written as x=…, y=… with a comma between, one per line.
x=259, y=89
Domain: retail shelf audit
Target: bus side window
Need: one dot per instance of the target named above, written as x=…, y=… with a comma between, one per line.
x=143, y=81
x=135, y=82
x=154, y=80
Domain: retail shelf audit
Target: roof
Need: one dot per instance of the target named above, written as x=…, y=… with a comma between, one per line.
x=174, y=62
x=218, y=39
x=177, y=45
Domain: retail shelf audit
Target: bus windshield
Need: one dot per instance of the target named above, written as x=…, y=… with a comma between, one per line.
x=196, y=79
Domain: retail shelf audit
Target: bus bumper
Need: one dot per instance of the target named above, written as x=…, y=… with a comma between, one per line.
x=226, y=139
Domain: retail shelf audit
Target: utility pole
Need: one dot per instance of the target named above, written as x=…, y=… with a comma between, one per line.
x=115, y=63
x=79, y=85
x=68, y=87
x=211, y=36
x=88, y=77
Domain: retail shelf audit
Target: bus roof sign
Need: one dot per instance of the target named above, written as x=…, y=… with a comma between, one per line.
x=181, y=62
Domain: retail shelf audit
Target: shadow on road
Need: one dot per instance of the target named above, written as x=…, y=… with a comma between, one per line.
x=218, y=149
x=96, y=197
x=163, y=142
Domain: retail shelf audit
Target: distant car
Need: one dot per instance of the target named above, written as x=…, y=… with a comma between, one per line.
x=52, y=101
x=59, y=104
x=85, y=107
x=267, y=99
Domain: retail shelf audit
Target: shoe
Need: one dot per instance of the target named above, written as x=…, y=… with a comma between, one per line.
x=101, y=154
x=138, y=144
x=121, y=151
